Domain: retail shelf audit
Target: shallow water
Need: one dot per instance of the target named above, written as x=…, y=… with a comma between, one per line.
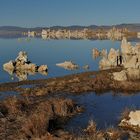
x=4, y=95
x=105, y=109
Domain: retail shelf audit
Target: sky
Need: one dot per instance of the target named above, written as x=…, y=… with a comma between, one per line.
x=38, y=13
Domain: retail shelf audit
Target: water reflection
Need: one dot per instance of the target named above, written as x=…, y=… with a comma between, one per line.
x=23, y=74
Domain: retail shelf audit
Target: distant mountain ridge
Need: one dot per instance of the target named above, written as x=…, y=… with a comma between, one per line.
x=16, y=29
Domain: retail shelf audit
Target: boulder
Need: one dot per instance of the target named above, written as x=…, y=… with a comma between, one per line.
x=132, y=121
x=134, y=118
x=69, y=65
x=120, y=76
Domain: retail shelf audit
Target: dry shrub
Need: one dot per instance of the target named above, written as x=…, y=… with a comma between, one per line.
x=91, y=132
x=13, y=105
x=113, y=133
x=91, y=128
x=125, y=114
x=36, y=125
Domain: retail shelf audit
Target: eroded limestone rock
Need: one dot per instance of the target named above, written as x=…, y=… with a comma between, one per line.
x=22, y=57
x=69, y=65
x=104, y=63
x=126, y=47
x=109, y=61
x=112, y=56
x=22, y=67
x=128, y=57
x=9, y=66
x=132, y=63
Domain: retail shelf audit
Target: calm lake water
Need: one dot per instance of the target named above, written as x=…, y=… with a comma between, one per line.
x=105, y=109
x=52, y=52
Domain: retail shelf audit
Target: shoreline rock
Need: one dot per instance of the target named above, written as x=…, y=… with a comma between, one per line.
x=132, y=122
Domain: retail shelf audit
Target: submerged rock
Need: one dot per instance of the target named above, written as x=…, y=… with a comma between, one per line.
x=22, y=67
x=86, y=67
x=69, y=65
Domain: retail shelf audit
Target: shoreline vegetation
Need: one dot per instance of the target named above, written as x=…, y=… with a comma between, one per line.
x=38, y=114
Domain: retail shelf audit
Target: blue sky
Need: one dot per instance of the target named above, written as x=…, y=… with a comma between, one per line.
x=32, y=13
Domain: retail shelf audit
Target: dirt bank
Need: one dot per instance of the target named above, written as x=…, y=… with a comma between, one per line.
x=31, y=119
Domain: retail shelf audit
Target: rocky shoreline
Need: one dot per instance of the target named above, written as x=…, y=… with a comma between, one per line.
x=99, y=81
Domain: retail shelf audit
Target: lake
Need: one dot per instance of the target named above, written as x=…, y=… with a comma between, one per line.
x=104, y=108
